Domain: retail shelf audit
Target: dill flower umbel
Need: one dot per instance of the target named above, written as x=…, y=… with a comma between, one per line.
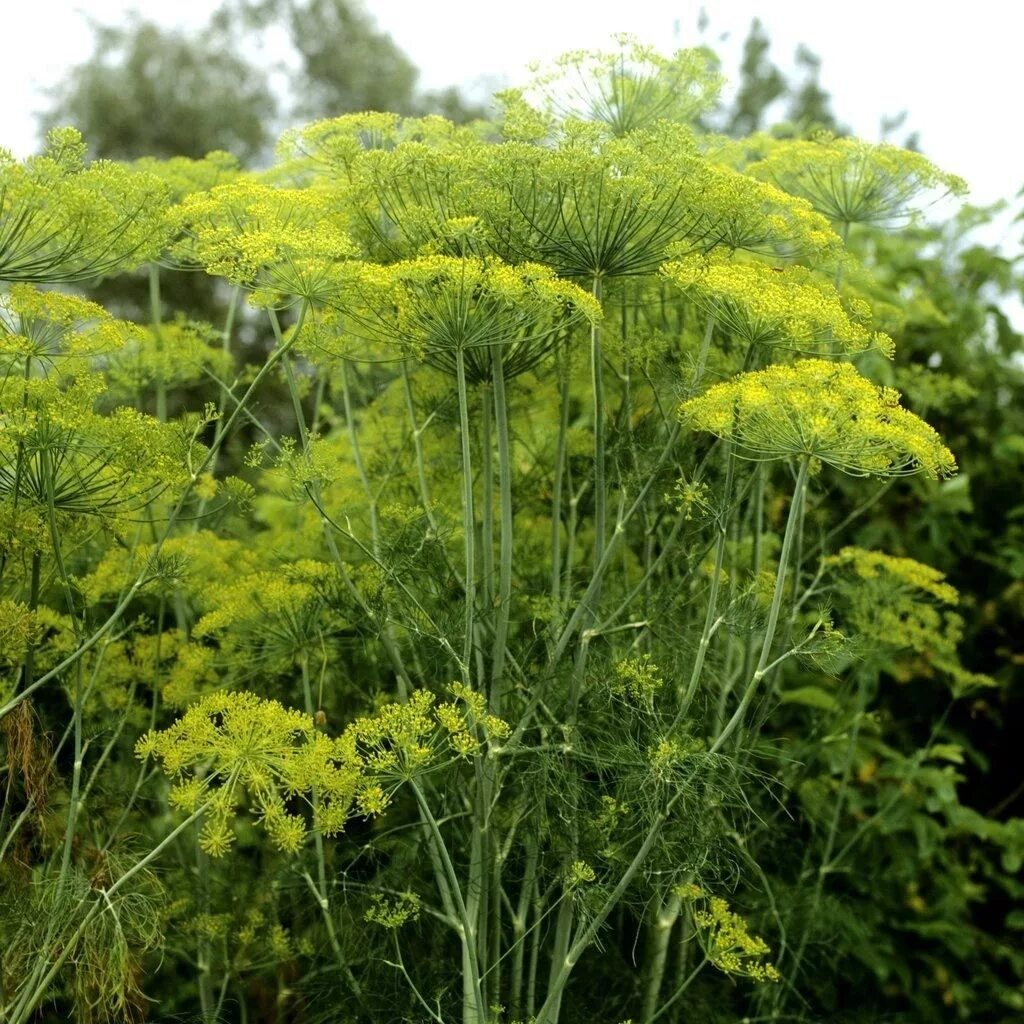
x=765, y=305
x=728, y=942
x=282, y=242
x=901, y=605
x=598, y=207
x=227, y=745
x=630, y=87
x=823, y=410
x=438, y=306
x=851, y=181
x=245, y=744
x=63, y=220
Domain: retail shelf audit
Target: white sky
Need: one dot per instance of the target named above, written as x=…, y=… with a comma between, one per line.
x=955, y=66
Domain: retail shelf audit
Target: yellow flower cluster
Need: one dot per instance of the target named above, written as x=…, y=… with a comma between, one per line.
x=598, y=207
x=50, y=332
x=228, y=744
x=283, y=242
x=896, y=603
x=728, y=943
x=579, y=873
x=815, y=408
x=393, y=911
x=437, y=306
x=405, y=184
x=765, y=305
x=628, y=88
x=61, y=220
x=638, y=678
x=403, y=740
x=873, y=565
x=851, y=181
x=56, y=448
x=20, y=629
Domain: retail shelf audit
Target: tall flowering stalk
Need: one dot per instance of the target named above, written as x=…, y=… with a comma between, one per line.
x=482, y=647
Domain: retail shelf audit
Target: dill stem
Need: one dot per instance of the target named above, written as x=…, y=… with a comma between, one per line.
x=702, y=357
x=473, y=1007
x=659, y=937
x=468, y=517
x=600, y=481
x=321, y=892
x=519, y=919
x=564, y=366
x=156, y=322
x=486, y=503
x=504, y=606
x=357, y=456
x=792, y=520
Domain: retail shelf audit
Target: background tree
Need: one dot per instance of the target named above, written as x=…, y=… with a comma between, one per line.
x=151, y=91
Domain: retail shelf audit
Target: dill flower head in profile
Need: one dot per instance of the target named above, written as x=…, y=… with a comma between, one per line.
x=49, y=331
x=184, y=175
x=727, y=940
x=763, y=305
x=439, y=306
x=335, y=145
x=823, y=410
x=595, y=207
x=332, y=145
x=901, y=605
x=63, y=220
x=401, y=181
x=280, y=242
x=59, y=453
x=629, y=87
x=271, y=620
x=851, y=181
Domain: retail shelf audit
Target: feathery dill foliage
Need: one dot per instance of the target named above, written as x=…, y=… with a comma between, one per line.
x=478, y=451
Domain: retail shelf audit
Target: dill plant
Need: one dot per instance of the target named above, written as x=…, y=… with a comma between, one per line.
x=470, y=685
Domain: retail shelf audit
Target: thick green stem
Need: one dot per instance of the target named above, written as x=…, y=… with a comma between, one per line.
x=357, y=456
x=468, y=518
x=504, y=597
x=600, y=480
x=589, y=933
x=474, y=1010
x=486, y=503
x=659, y=935
x=564, y=367
x=156, y=322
